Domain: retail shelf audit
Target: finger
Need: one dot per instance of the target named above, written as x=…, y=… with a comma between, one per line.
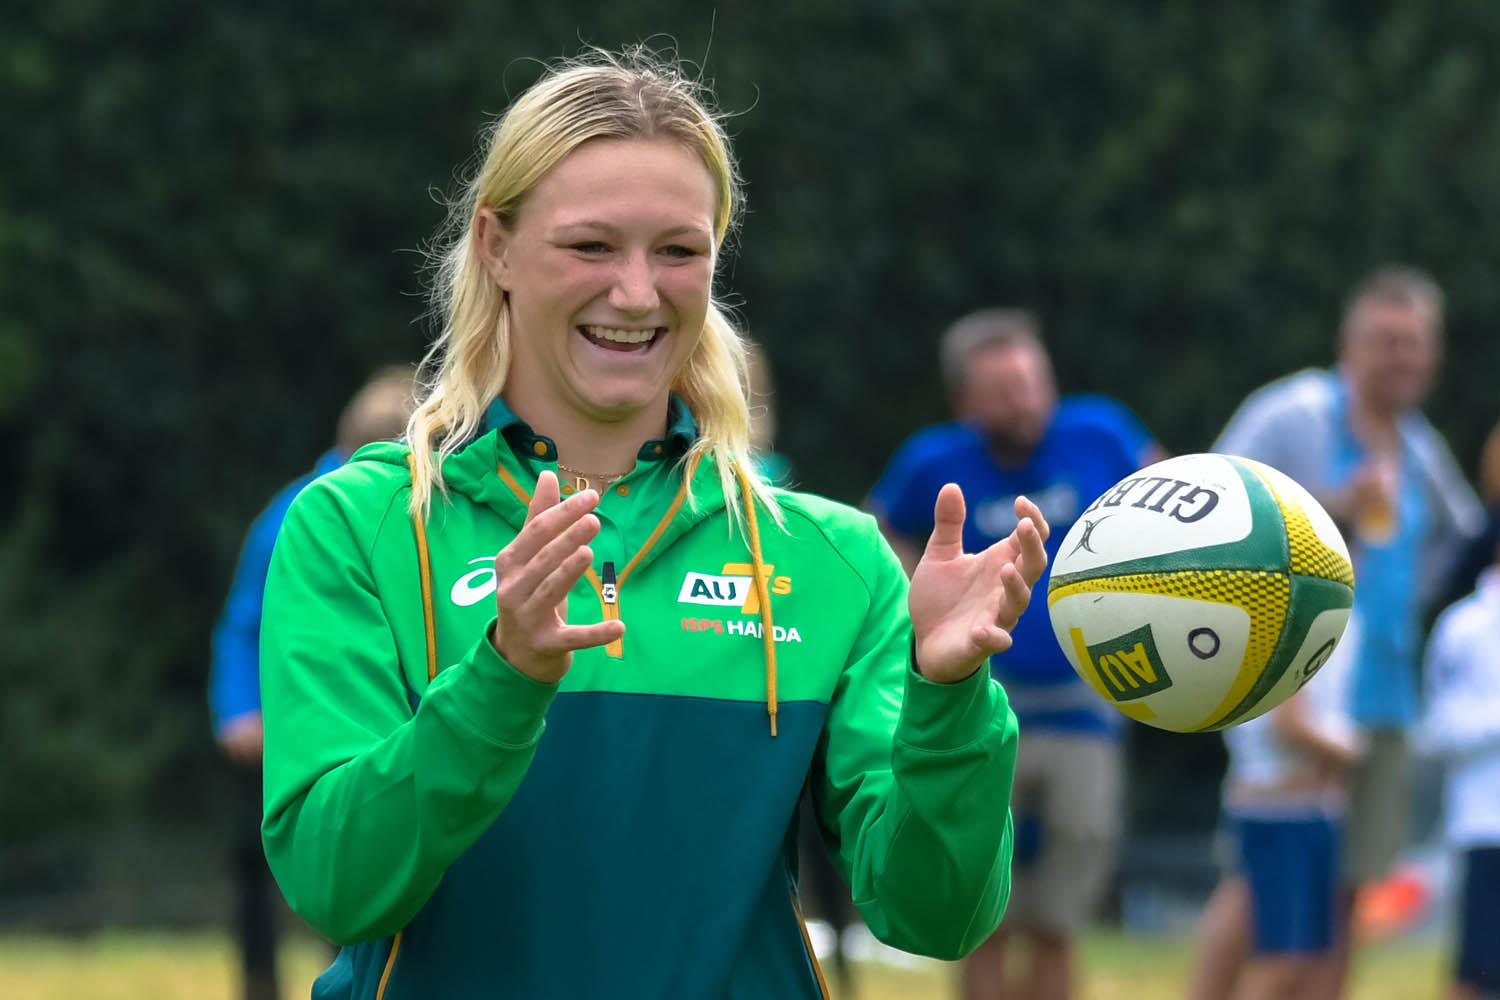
x=947, y=541
x=1032, y=557
x=1017, y=596
x=989, y=639
x=1028, y=511
x=546, y=496
x=543, y=526
x=516, y=583
x=546, y=598
x=570, y=638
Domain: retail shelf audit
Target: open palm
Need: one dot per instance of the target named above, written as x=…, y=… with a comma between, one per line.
x=963, y=605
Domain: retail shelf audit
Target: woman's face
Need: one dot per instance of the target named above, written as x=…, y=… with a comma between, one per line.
x=608, y=267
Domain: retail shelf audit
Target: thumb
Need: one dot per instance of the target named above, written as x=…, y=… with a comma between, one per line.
x=547, y=494
x=947, y=539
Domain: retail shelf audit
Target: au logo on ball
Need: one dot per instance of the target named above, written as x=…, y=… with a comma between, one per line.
x=1127, y=666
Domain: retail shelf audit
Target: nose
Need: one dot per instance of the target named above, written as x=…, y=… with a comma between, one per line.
x=634, y=290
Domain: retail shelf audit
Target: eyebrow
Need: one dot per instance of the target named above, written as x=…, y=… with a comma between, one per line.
x=595, y=224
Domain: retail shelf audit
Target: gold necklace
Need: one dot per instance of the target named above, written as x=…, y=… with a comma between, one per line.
x=586, y=480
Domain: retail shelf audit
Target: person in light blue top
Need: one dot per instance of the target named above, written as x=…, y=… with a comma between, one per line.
x=1356, y=439
x=377, y=412
x=1014, y=436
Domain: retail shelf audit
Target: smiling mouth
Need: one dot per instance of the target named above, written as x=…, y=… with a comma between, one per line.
x=621, y=339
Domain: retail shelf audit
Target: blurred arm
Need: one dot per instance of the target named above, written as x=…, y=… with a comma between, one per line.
x=902, y=505
x=1295, y=726
x=234, y=676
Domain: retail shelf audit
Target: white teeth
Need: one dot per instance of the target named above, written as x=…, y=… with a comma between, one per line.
x=620, y=336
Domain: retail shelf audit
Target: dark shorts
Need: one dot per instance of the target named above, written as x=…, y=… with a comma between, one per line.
x=1292, y=866
x=1479, y=920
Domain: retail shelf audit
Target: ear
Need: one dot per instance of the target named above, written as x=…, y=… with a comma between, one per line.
x=492, y=241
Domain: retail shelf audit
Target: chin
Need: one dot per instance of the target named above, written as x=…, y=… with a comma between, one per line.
x=612, y=406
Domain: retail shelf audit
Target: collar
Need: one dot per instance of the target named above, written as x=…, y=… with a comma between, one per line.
x=682, y=431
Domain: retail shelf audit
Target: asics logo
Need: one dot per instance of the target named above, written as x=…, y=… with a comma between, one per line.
x=476, y=585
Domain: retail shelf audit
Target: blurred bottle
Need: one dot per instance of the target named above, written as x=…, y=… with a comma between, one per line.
x=1376, y=521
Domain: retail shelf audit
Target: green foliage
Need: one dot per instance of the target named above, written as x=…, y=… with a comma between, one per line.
x=210, y=218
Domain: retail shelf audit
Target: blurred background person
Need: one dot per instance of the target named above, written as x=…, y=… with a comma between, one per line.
x=1285, y=796
x=825, y=898
x=1356, y=438
x=378, y=411
x=1480, y=553
x=1462, y=726
x=769, y=462
x=1012, y=436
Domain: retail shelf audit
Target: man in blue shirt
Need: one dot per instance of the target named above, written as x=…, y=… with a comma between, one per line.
x=377, y=412
x=1014, y=436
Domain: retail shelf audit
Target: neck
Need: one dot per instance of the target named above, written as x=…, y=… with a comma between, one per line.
x=1374, y=424
x=1006, y=452
x=591, y=445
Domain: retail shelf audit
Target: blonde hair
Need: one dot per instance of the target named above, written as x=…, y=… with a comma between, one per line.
x=632, y=95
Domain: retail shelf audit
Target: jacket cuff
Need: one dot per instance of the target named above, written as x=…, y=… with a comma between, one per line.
x=497, y=701
x=940, y=717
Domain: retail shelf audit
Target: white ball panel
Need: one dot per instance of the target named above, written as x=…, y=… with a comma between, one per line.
x=1182, y=503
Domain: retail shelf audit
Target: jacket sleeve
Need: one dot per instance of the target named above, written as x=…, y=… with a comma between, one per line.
x=915, y=784
x=368, y=801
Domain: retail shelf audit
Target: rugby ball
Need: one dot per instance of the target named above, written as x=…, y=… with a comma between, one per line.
x=1200, y=592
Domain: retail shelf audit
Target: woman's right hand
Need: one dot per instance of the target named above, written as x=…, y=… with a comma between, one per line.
x=533, y=577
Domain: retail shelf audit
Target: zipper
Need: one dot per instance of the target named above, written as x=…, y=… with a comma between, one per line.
x=611, y=603
x=609, y=599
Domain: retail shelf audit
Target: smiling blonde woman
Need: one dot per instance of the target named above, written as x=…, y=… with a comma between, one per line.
x=542, y=686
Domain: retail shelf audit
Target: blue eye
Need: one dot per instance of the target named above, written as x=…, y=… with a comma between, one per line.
x=590, y=247
x=679, y=251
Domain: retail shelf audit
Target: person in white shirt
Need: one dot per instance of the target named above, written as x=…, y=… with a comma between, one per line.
x=1285, y=796
x=1462, y=725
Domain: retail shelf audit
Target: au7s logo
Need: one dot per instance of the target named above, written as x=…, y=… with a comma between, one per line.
x=732, y=587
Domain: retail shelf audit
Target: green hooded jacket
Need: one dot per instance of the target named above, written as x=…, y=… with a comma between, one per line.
x=628, y=832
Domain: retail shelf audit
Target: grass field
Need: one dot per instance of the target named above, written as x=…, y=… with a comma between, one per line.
x=145, y=966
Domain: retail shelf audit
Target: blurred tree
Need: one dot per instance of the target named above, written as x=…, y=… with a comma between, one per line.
x=211, y=219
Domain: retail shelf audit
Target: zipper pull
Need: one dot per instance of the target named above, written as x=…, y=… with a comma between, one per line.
x=609, y=592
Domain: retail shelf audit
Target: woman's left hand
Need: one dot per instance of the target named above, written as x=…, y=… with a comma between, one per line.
x=963, y=606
